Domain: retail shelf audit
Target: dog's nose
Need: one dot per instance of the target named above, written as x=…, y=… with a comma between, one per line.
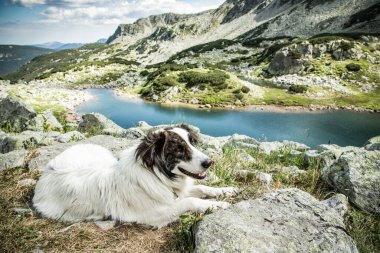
x=206, y=163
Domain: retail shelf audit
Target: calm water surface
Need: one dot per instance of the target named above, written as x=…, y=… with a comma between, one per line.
x=312, y=128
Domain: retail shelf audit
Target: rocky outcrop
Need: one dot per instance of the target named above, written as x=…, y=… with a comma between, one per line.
x=373, y=143
x=283, y=64
x=72, y=136
x=277, y=146
x=15, y=116
x=25, y=140
x=288, y=220
x=355, y=172
x=95, y=123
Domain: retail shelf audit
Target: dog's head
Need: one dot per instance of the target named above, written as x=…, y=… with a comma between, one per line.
x=172, y=152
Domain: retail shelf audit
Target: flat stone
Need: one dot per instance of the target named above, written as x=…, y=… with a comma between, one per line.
x=287, y=220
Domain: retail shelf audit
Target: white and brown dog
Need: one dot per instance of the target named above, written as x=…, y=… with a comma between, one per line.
x=152, y=183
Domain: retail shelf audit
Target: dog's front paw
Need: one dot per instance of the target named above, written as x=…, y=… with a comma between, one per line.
x=220, y=205
x=229, y=191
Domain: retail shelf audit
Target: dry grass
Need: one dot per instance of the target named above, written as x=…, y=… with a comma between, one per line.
x=26, y=232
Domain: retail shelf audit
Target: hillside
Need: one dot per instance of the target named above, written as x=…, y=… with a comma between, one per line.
x=258, y=61
x=13, y=56
x=154, y=39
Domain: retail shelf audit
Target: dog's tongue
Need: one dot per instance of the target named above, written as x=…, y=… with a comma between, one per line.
x=203, y=174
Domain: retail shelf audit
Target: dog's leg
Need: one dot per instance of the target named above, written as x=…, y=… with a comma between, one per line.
x=202, y=191
x=168, y=214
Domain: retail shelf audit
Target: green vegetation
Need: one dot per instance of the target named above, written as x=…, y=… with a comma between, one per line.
x=297, y=89
x=215, y=78
x=17, y=56
x=60, y=61
x=353, y=67
x=245, y=89
x=218, y=44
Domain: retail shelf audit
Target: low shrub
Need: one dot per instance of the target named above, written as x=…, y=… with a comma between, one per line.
x=295, y=55
x=297, y=89
x=353, y=67
x=239, y=96
x=144, y=73
x=214, y=78
x=346, y=45
x=245, y=89
x=167, y=81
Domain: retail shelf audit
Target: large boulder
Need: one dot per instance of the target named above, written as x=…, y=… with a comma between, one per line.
x=283, y=64
x=356, y=173
x=15, y=116
x=43, y=155
x=288, y=220
x=95, y=123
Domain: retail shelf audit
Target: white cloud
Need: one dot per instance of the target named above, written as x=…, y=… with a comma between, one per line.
x=115, y=12
x=28, y=3
x=87, y=20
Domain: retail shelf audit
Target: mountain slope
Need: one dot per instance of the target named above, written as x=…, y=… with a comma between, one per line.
x=156, y=38
x=13, y=56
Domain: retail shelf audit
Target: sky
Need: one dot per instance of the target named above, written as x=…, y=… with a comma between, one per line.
x=27, y=22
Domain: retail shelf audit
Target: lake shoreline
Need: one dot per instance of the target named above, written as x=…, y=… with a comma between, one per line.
x=265, y=108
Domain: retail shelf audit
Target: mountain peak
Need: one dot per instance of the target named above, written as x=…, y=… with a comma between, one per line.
x=157, y=37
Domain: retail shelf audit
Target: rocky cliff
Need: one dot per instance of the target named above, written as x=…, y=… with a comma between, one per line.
x=156, y=38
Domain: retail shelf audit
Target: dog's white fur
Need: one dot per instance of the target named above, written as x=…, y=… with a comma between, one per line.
x=86, y=182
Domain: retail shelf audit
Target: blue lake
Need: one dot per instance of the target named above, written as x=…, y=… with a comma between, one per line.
x=312, y=128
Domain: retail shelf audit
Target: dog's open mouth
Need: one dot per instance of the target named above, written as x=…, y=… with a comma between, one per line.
x=196, y=176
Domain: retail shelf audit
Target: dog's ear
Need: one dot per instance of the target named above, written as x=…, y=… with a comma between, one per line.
x=193, y=135
x=151, y=148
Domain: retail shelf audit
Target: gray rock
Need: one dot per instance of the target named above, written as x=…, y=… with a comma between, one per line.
x=276, y=146
x=105, y=225
x=24, y=140
x=338, y=202
x=51, y=122
x=373, y=143
x=327, y=147
x=26, y=182
x=356, y=174
x=311, y=156
x=143, y=124
x=37, y=124
x=264, y=178
x=15, y=116
x=45, y=154
x=240, y=141
x=133, y=133
x=72, y=136
x=293, y=170
x=14, y=159
x=95, y=123
x=288, y=220
x=282, y=64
